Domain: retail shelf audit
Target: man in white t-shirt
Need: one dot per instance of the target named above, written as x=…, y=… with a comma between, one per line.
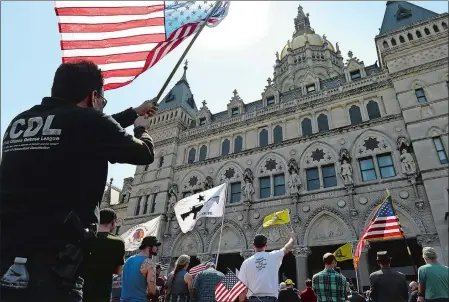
x=260, y=272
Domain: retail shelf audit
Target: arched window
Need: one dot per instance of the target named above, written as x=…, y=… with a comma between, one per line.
x=203, y=152
x=238, y=144
x=306, y=127
x=277, y=134
x=435, y=28
x=323, y=124
x=444, y=25
x=355, y=115
x=225, y=146
x=263, y=137
x=410, y=37
x=401, y=39
x=373, y=110
x=427, y=31
x=393, y=42
x=418, y=34
x=385, y=44
x=192, y=154
x=137, y=210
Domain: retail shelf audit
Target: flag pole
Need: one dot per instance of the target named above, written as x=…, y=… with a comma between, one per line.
x=403, y=235
x=214, y=9
x=356, y=270
x=290, y=220
x=222, y=223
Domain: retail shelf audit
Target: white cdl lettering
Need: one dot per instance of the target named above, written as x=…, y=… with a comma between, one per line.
x=12, y=133
x=35, y=124
x=30, y=131
x=47, y=130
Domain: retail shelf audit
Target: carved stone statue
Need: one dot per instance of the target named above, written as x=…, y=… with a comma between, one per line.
x=209, y=183
x=407, y=162
x=289, y=45
x=295, y=181
x=248, y=188
x=173, y=193
x=337, y=46
x=346, y=172
x=277, y=56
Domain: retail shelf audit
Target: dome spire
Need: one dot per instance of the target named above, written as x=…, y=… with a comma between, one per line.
x=302, y=23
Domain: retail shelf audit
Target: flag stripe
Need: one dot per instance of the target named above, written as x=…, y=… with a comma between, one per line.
x=109, y=19
x=114, y=42
x=158, y=29
x=109, y=4
x=99, y=52
x=116, y=58
x=106, y=11
x=110, y=27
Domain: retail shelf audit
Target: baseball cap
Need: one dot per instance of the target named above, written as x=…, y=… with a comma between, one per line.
x=289, y=282
x=260, y=240
x=149, y=241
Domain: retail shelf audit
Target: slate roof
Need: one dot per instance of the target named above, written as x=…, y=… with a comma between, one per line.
x=180, y=94
x=399, y=14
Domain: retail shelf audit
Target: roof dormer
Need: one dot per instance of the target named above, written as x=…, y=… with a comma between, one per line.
x=270, y=95
x=354, y=68
x=236, y=105
x=204, y=115
x=309, y=83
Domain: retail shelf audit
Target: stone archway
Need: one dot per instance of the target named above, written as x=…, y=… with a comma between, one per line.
x=327, y=227
x=190, y=244
x=233, y=239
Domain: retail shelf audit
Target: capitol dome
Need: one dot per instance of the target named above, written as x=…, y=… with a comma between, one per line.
x=300, y=41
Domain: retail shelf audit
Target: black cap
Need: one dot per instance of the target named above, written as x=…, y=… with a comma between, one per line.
x=149, y=241
x=383, y=256
x=260, y=240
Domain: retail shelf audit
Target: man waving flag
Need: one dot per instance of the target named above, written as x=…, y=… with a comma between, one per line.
x=125, y=38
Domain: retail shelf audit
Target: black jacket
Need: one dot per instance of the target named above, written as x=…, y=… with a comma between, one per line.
x=388, y=285
x=288, y=295
x=55, y=159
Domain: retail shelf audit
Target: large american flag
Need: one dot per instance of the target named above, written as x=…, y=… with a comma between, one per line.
x=125, y=38
x=384, y=225
x=199, y=268
x=229, y=289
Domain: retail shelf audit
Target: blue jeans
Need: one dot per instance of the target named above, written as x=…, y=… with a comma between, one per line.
x=42, y=286
x=262, y=299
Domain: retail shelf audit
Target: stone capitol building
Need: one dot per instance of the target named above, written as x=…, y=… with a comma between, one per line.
x=326, y=139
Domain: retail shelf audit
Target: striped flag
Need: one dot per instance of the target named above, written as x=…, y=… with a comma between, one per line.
x=385, y=224
x=199, y=268
x=229, y=289
x=125, y=38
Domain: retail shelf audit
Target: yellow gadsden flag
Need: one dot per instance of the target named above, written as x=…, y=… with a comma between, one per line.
x=344, y=252
x=281, y=217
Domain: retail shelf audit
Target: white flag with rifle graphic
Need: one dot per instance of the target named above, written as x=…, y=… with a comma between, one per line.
x=209, y=203
x=133, y=237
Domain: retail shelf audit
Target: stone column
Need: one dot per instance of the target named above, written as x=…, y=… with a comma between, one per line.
x=364, y=267
x=432, y=240
x=301, y=254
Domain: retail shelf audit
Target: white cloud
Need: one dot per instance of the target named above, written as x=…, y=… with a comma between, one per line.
x=246, y=23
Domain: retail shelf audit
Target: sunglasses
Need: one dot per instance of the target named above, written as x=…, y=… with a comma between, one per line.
x=105, y=101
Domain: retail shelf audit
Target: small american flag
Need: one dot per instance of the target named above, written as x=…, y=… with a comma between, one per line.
x=385, y=224
x=229, y=289
x=199, y=268
x=125, y=38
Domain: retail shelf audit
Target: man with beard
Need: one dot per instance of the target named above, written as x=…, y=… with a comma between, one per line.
x=139, y=273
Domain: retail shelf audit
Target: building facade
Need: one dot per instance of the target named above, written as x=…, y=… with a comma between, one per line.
x=326, y=139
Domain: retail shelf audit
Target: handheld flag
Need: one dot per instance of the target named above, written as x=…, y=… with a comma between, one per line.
x=344, y=252
x=229, y=289
x=281, y=217
x=199, y=268
x=125, y=38
x=209, y=203
x=133, y=237
x=384, y=225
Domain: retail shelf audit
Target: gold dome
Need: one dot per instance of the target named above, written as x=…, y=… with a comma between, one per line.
x=300, y=41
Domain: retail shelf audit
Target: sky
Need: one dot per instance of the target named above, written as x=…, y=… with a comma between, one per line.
x=237, y=54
